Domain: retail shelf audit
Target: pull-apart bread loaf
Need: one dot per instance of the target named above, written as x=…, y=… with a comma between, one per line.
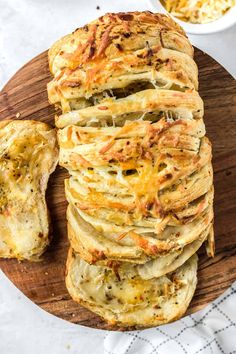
x=28, y=155
x=132, y=137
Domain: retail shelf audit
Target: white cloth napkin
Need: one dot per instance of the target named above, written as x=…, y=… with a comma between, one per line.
x=27, y=27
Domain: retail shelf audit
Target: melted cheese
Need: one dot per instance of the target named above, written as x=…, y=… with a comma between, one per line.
x=28, y=155
x=121, y=296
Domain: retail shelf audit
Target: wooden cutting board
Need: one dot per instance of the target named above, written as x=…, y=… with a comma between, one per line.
x=43, y=282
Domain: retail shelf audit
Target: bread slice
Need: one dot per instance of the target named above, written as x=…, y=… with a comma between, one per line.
x=146, y=267
x=118, y=50
x=130, y=245
x=28, y=155
x=126, y=299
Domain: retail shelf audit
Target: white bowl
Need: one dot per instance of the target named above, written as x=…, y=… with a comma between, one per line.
x=226, y=21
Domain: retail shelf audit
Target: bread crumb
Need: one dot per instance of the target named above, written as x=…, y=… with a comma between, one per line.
x=18, y=115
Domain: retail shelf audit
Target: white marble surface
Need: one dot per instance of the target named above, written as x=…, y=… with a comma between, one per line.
x=28, y=27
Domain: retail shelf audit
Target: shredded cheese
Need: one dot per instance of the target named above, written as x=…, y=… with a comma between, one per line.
x=198, y=11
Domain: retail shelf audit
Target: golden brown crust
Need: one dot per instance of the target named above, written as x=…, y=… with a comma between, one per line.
x=115, y=32
x=132, y=46
x=171, y=67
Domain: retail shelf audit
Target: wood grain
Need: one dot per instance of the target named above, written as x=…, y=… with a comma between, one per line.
x=43, y=282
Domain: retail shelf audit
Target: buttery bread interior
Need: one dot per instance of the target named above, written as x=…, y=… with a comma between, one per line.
x=28, y=155
x=132, y=136
x=127, y=299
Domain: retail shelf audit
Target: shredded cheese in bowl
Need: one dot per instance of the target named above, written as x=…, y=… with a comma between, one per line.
x=198, y=11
